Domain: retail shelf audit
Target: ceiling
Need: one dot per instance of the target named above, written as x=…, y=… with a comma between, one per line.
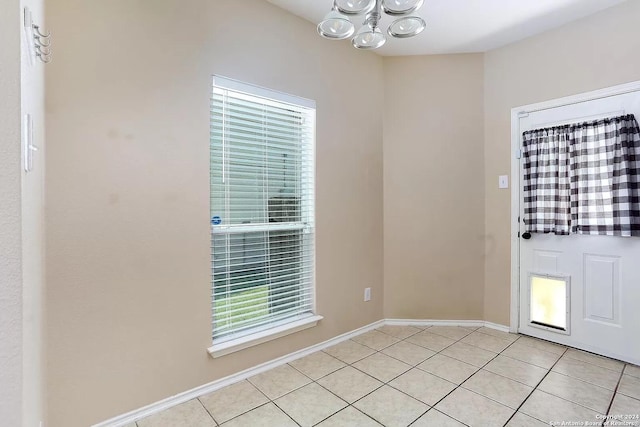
x=461, y=26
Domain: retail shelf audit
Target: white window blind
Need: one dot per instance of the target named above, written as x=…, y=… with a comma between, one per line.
x=262, y=208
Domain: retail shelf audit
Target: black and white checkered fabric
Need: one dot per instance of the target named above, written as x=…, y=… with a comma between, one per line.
x=583, y=178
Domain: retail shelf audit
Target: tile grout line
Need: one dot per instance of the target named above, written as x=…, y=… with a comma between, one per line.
x=467, y=363
x=206, y=409
x=593, y=364
x=615, y=392
x=430, y=407
x=340, y=410
x=565, y=354
x=456, y=385
x=312, y=381
x=323, y=376
x=285, y=412
x=582, y=381
x=528, y=363
x=347, y=402
x=367, y=415
x=571, y=377
x=412, y=367
x=397, y=337
x=536, y=388
x=247, y=411
x=481, y=368
x=367, y=394
x=269, y=400
x=568, y=347
x=315, y=381
x=285, y=394
x=521, y=361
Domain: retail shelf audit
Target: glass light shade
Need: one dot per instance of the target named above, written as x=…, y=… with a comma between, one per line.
x=401, y=7
x=335, y=26
x=406, y=27
x=368, y=37
x=354, y=7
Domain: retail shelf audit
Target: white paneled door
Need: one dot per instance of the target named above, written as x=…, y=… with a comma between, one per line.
x=580, y=290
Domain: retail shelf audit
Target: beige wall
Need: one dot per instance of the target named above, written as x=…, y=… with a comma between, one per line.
x=433, y=194
x=593, y=53
x=11, y=329
x=128, y=266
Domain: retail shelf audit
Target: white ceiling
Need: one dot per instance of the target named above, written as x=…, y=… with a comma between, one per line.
x=459, y=26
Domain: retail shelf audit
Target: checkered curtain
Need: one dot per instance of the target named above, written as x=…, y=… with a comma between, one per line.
x=547, y=206
x=583, y=178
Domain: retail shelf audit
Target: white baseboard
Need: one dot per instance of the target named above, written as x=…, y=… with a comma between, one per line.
x=183, y=397
x=433, y=322
x=497, y=327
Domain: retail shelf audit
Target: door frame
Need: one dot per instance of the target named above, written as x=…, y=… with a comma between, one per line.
x=516, y=114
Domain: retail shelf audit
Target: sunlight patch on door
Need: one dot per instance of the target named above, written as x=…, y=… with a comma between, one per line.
x=549, y=302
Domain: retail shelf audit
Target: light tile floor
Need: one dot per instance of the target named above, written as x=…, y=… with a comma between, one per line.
x=435, y=376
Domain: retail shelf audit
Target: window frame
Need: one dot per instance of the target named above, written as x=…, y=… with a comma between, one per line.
x=290, y=323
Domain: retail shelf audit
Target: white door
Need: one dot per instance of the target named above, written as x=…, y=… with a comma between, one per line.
x=595, y=280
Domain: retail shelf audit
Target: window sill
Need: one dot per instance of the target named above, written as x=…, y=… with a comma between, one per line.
x=227, y=347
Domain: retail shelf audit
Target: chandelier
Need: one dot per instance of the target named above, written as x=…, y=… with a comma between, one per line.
x=337, y=25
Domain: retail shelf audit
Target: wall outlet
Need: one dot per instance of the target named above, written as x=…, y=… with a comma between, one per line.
x=367, y=294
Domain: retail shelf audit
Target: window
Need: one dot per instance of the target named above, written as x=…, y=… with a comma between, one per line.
x=262, y=209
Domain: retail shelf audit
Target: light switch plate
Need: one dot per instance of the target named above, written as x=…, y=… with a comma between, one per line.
x=503, y=181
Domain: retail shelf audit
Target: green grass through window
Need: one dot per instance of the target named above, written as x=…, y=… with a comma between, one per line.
x=252, y=303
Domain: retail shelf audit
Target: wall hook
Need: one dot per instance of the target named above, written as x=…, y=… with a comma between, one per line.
x=41, y=41
x=36, y=28
x=45, y=58
x=44, y=50
x=37, y=41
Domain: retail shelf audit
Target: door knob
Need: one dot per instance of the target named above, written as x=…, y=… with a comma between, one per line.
x=526, y=235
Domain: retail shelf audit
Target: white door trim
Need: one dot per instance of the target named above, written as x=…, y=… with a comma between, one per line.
x=516, y=113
